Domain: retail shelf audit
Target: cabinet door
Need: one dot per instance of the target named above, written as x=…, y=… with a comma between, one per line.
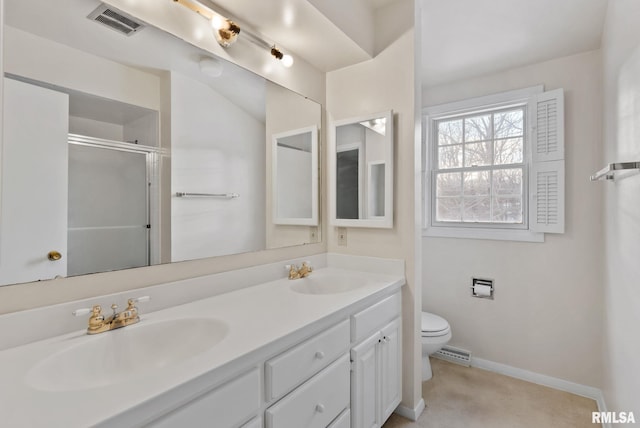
x=390, y=368
x=365, y=383
x=34, y=182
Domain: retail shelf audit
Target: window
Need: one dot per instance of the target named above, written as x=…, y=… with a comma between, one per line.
x=479, y=168
x=495, y=166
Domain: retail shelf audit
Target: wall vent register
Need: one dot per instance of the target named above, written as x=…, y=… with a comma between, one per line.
x=116, y=20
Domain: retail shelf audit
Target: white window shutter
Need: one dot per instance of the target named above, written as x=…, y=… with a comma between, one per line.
x=546, y=180
x=547, y=122
x=546, y=210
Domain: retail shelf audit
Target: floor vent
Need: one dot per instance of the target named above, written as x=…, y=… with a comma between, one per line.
x=115, y=19
x=454, y=355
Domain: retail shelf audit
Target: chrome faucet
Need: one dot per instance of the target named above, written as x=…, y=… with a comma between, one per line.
x=302, y=272
x=98, y=323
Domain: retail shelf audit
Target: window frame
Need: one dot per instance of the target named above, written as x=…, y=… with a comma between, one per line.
x=466, y=108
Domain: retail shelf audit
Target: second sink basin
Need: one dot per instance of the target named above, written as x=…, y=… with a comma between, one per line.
x=116, y=356
x=328, y=284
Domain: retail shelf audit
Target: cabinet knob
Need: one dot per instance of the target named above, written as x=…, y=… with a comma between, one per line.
x=320, y=408
x=54, y=255
x=319, y=355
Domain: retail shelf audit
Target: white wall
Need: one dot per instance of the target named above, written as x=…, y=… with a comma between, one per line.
x=547, y=312
x=95, y=128
x=144, y=130
x=621, y=59
x=371, y=87
x=216, y=148
x=37, y=58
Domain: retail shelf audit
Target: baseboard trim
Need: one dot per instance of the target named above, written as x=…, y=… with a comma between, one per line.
x=602, y=407
x=544, y=380
x=410, y=413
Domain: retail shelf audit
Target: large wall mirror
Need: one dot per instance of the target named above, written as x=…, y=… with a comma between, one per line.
x=122, y=151
x=361, y=171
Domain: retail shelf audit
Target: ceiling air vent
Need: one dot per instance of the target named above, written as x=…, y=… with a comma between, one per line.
x=116, y=20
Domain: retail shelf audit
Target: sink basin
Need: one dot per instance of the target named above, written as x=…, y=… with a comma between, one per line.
x=116, y=356
x=328, y=284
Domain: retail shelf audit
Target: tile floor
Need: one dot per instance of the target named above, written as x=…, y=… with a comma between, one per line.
x=468, y=397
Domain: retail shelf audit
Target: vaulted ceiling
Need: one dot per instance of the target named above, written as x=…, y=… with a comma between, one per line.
x=467, y=38
x=460, y=38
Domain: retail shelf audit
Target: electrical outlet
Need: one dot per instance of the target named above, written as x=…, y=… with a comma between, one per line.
x=313, y=234
x=342, y=236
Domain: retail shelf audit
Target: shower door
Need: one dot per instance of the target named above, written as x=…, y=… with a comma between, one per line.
x=108, y=223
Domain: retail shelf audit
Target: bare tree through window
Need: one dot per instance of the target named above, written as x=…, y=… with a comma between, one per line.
x=479, y=168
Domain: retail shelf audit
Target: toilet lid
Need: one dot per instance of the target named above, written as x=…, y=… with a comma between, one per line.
x=432, y=323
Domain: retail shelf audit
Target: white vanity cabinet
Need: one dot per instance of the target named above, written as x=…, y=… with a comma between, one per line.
x=320, y=365
x=275, y=355
x=293, y=367
x=316, y=403
x=376, y=372
x=347, y=375
x=227, y=406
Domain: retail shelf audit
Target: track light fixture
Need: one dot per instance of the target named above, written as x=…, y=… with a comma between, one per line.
x=287, y=60
x=226, y=31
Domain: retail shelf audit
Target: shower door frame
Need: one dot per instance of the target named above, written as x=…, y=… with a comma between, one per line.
x=153, y=155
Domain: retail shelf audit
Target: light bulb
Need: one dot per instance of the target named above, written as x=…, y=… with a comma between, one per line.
x=287, y=61
x=217, y=22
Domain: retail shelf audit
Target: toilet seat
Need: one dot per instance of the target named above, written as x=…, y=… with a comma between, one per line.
x=434, y=326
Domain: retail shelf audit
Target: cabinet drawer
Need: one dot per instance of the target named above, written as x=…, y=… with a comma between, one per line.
x=253, y=423
x=374, y=317
x=298, y=364
x=225, y=407
x=342, y=421
x=315, y=403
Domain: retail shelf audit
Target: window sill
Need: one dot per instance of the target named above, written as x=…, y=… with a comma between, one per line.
x=477, y=233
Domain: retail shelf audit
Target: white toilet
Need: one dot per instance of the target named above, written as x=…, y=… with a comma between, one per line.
x=435, y=334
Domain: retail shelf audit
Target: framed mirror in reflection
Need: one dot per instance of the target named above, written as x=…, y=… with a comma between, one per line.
x=295, y=177
x=361, y=171
x=122, y=151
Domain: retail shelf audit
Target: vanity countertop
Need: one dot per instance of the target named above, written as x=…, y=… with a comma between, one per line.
x=257, y=317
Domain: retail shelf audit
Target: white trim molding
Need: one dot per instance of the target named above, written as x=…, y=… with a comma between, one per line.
x=478, y=233
x=409, y=413
x=544, y=380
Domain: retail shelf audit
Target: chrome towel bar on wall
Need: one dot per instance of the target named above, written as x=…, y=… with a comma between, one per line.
x=608, y=172
x=208, y=195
